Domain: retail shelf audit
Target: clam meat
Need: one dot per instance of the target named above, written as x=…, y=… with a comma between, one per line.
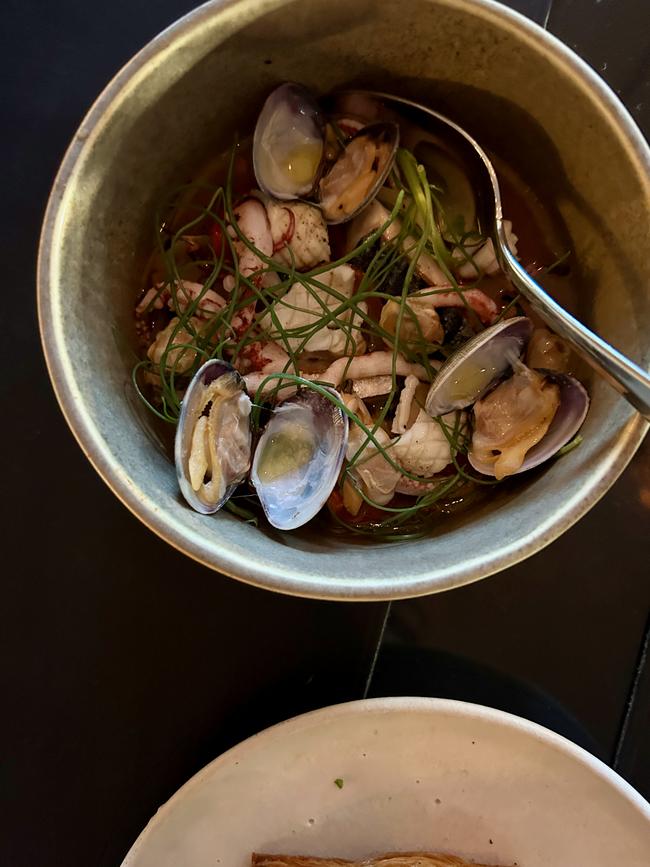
x=213, y=437
x=298, y=458
x=547, y=350
x=525, y=421
x=357, y=175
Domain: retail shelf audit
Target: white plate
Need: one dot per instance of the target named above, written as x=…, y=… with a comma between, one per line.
x=417, y=773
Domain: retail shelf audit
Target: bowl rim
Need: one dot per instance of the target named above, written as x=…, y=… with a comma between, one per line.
x=385, y=705
x=273, y=576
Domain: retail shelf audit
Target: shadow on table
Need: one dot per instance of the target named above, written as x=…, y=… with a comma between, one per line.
x=403, y=670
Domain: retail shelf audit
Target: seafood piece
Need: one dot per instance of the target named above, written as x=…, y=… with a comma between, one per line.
x=484, y=307
x=213, y=438
x=265, y=356
x=349, y=126
x=548, y=351
x=288, y=143
x=371, y=471
x=296, y=316
x=470, y=372
x=186, y=293
x=420, y=326
x=372, y=386
x=378, y=363
x=174, y=344
x=525, y=421
x=253, y=222
x=298, y=458
x=372, y=218
x=153, y=299
x=356, y=176
x=424, y=449
x=484, y=260
x=299, y=233
x=416, y=488
x=403, y=411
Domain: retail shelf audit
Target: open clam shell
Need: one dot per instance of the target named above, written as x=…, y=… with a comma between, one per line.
x=568, y=419
x=289, y=142
x=298, y=458
x=469, y=373
x=360, y=171
x=212, y=449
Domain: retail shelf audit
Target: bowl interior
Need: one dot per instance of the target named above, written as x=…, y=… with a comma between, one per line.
x=180, y=101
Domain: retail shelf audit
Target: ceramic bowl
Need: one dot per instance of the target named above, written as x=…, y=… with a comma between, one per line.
x=415, y=774
x=523, y=94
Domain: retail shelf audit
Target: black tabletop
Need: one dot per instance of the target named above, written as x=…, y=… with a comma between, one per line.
x=125, y=666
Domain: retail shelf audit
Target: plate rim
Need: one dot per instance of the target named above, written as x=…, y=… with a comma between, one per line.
x=391, y=704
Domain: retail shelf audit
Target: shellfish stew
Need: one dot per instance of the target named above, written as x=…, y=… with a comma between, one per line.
x=325, y=323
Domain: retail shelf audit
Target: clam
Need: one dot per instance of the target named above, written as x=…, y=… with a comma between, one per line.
x=213, y=438
x=289, y=142
x=471, y=371
x=298, y=458
x=525, y=421
x=358, y=174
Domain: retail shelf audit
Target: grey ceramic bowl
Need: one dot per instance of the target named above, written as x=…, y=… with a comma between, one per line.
x=517, y=89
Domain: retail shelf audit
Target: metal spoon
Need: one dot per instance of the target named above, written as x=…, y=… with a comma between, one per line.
x=622, y=373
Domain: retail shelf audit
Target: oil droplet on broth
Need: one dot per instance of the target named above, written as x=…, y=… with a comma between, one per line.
x=285, y=452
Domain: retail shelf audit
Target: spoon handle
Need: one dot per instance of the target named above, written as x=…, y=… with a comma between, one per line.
x=624, y=375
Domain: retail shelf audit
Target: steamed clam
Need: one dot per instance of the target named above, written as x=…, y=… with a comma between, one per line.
x=289, y=143
x=298, y=458
x=213, y=437
x=296, y=155
x=525, y=421
x=521, y=416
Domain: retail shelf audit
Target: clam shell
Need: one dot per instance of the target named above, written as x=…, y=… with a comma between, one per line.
x=571, y=413
x=288, y=143
x=298, y=458
x=469, y=373
x=215, y=380
x=341, y=196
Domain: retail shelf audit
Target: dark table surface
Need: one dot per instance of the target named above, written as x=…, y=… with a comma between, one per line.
x=126, y=667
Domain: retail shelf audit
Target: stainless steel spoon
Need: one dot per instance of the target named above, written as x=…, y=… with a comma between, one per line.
x=622, y=373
